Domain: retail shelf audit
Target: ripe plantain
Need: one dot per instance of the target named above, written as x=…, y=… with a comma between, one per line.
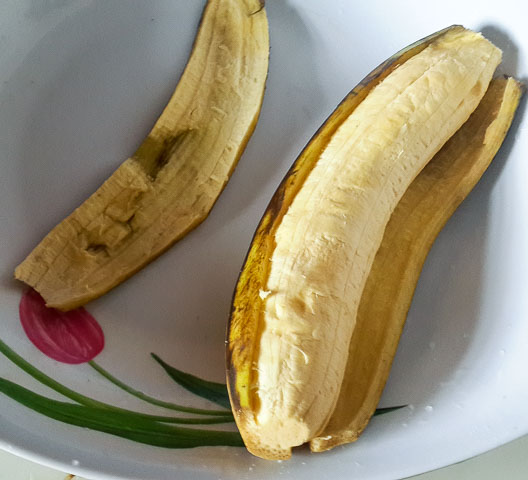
x=171, y=183
x=418, y=218
x=295, y=305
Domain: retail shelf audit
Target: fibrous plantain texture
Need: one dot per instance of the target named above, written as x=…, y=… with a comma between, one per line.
x=171, y=183
x=421, y=213
x=324, y=245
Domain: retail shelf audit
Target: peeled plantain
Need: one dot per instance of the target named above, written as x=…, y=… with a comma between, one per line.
x=171, y=183
x=295, y=305
x=418, y=218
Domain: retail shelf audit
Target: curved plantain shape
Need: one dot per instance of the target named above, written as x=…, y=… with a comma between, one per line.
x=247, y=302
x=295, y=304
x=420, y=215
x=171, y=183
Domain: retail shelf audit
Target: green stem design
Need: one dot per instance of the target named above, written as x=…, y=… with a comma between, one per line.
x=384, y=410
x=138, y=429
x=212, y=391
x=135, y=426
x=152, y=400
x=217, y=392
x=90, y=402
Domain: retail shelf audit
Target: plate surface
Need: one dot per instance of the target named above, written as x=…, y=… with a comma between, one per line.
x=82, y=82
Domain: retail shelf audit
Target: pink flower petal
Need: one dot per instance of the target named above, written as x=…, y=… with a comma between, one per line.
x=69, y=337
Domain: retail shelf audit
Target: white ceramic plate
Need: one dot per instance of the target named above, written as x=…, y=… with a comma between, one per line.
x=81, y=83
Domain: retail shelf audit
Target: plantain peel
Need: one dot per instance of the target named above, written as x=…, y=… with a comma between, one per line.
x=172, y=181
x=296, y=303
x=423, y=210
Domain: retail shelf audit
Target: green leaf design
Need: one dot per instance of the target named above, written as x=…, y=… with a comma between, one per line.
x=139, y=427
x=384, y=410
x=87, y=401
x=155, y=401
x=45, y=379
x=124, y=425
x=212, y=391
x=217, y=392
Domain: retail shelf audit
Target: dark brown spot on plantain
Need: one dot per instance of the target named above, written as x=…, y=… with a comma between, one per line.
x=154, y=154
x=97, y=249
x=129, y=222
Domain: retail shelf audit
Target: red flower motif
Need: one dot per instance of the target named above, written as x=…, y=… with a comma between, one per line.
x=70, y=337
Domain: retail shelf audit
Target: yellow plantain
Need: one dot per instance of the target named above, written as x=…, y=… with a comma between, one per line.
x=295, y=305
x=418, y=218
x=171, y=183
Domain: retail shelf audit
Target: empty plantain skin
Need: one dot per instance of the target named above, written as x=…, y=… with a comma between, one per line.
x=171, y=183
x=296, y=301
x=418, y=218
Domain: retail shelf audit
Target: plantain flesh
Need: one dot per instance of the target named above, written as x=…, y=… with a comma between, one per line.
x=295, y=305
x=423, y=210
x=171, y=183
